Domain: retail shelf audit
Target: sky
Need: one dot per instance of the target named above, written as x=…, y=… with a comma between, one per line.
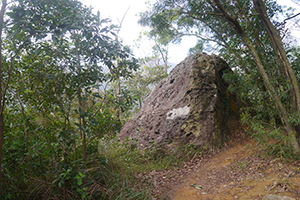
x=116, y=9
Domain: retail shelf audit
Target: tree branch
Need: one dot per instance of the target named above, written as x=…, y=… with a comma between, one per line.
x=284, y=21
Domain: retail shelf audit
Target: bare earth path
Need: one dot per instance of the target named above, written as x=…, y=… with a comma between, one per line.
x=235, y=172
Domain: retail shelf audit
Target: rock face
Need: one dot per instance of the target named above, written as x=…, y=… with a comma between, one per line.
x=191, y=105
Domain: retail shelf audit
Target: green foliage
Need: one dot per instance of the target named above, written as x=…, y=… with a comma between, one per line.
x=133, y=160
x=145, y=79
x=40, y=164
x=272, y=138
x=235, y=31
x=240, y=165
x=200, y=19
x=57, y=59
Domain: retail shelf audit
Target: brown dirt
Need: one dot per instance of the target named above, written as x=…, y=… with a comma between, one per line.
x=238, y=171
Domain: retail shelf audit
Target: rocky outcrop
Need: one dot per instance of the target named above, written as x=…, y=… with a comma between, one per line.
x=191, y=105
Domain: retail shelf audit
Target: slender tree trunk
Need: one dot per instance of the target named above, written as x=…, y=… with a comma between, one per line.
x=164, y=57
x=79, y=115
x=1, y=141
x=81, y=123
x=271, y=90
x=2, y=98
x=217, y=5
x=84, y=139
x=279, y=50
x=281, y=56
x=118, y=112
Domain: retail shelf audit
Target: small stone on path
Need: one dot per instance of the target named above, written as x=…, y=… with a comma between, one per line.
x=277, y=197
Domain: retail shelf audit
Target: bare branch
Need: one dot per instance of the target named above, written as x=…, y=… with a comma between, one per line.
x=121, y=22
x=295, y=2
x=284, y=21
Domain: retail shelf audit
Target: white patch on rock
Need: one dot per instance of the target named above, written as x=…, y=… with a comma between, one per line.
x=178, y=112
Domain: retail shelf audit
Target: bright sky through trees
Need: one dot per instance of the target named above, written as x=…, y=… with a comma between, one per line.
x=116, y=9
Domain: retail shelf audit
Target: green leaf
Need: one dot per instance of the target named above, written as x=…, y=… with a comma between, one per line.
x=97, y=95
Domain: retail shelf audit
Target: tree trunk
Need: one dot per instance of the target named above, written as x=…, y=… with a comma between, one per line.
x=81, y=123
x=2, y=98
x=280, y=52
x=284, y=114
x=281, y=57
x=84, y=140
x=118, y=111
x=271, y=90
x=79, y=116
x=1, y=142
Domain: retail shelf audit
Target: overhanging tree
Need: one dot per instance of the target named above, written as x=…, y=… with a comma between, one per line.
x=245, y=29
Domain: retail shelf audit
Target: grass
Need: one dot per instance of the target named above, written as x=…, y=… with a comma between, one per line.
x=242, y=165
x=273, y=140
x=100, y=176
x=132, y=160
x=107, y=173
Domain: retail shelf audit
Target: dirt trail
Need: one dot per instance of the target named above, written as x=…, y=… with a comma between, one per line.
x=238, y=173
x=215, y=176
x=235, y=172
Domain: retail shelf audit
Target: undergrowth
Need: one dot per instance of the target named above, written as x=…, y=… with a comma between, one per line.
x=108, y=173
x=273, y=139
x=134, y=160
x=44, y=171
x=98, y=177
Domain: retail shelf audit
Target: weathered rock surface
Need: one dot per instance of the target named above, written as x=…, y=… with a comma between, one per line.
x=191, y=105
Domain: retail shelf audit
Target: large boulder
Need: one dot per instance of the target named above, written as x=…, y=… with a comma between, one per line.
x=191, y=105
